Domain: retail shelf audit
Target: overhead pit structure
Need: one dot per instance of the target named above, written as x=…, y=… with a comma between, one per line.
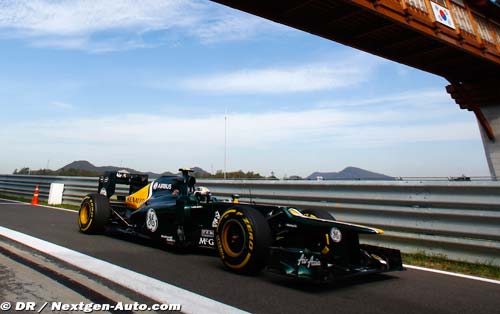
x=456, y=39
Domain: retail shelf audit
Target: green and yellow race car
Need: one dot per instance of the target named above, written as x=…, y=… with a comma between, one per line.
x=306, y=243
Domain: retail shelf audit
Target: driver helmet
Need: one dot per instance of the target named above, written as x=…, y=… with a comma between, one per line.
x=201, y=190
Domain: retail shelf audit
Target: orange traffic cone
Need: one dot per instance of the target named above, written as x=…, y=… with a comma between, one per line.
x=34, y=200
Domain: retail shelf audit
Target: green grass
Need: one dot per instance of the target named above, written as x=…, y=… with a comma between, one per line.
x=441, y=262
x=28, y=200
x=14, y=198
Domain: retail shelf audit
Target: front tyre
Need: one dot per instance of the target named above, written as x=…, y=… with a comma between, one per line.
x=94, y=213
x=243, y=238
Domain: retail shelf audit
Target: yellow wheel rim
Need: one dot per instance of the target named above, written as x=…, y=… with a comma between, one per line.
x=233, y=236
x=84, y=214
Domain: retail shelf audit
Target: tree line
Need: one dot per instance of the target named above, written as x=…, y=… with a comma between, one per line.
x=61, y=172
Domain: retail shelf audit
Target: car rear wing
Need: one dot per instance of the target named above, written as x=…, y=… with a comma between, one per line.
x=108, y=182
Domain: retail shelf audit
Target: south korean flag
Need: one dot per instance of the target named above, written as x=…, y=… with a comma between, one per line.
x=442, y=15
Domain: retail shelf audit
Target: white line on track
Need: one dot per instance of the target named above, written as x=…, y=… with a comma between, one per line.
x=442, y=272
x=152, y=288
x=61, y=209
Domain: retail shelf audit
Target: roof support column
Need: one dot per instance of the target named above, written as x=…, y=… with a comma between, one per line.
x=491, y=146
x=483, y=99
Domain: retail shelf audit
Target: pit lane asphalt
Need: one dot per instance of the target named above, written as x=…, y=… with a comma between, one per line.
x=411, y=291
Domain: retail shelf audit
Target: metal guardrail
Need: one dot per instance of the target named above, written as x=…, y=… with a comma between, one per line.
x=458, y=219
x=23, y=186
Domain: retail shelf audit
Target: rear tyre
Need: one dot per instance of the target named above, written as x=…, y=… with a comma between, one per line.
x=243, y=238
x=317, y=213
x=94, y=213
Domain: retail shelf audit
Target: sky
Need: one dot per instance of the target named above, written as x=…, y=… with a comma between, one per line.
x=156, y=85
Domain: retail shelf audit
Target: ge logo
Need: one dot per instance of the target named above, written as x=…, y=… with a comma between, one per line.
x=151, y=220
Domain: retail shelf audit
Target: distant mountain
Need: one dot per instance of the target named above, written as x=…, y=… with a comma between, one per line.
x=349, y=173
x=79, y=165
x=166, y=173
x=87, y=166
x=197, y=171
x=83, y=165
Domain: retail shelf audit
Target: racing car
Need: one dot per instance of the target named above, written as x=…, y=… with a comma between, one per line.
x=248, y=237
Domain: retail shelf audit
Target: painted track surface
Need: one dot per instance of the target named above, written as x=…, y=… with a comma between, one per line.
x=401, y=292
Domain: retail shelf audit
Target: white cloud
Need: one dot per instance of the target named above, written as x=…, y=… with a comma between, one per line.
x=72, y=43
x=70, y=17
x=327, y=125
x=62, y=105
x=76, y=24
x=91, y=45
x=231, y=25
x=260, y=140
x=301, y=78
x=414, y=98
